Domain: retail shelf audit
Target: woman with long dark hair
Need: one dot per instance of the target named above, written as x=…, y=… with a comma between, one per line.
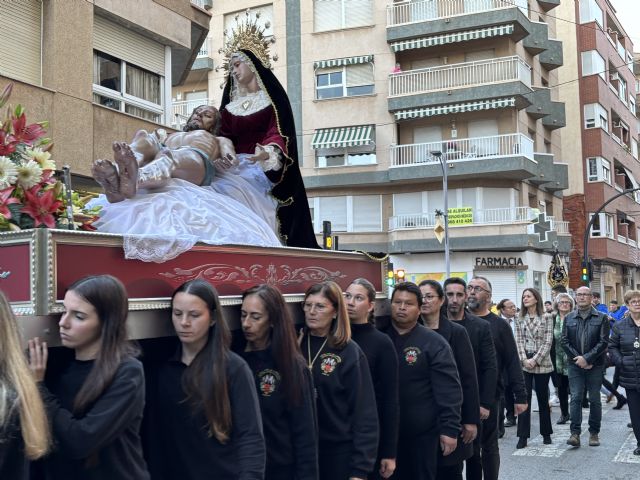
x=203, y=415
x=360, y=298
x=534, y=336
x=283, y=383
x=347, y=415
x=95, y=405
x=24, y=431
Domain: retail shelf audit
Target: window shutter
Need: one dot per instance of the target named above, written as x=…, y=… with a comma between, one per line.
x=327, y=15
x=358, y=13
x=21, y=40
x=334, y=209
x=407, y=203
x=366, y=213
x=127, y=45
x=358, y=75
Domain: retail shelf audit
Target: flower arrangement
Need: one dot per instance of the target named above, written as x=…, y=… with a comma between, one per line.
x=30, y=195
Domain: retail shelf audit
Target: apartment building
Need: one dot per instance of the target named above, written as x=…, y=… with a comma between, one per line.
x=97, y=70
x=388, y=94
x=600, y=87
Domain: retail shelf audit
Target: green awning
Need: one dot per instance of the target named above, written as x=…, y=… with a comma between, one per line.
x=455, y=108
x=342, y=137
x=340, y=62
x=456, y=37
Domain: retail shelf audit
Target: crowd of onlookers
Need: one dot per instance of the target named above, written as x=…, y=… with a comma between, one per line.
x=341, y=396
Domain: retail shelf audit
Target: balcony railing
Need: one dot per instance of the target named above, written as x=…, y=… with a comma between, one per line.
x=402, y=13
x=509, y=145
x=204, y=49
x=460, y=75
x=181, y=111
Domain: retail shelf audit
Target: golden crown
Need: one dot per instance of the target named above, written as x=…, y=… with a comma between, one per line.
x=247, y=35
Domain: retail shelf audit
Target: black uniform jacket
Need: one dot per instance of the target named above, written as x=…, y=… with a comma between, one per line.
x=624, y=349
x=586, y=337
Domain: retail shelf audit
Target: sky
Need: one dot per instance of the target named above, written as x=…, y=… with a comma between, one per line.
x=628, y=13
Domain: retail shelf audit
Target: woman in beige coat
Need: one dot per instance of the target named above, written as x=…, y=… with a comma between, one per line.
x=534, y=336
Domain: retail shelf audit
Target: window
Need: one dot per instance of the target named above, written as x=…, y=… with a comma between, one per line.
x=21, y=40
x=350, y=146
x=590, y=12
x=596, y=116
x=345, y=81
x=602, y=225
x=344, y=158
x=634, y=148
x=362, y=213
x=339, y=14
x=598, y=170
x=593, y=64
x=632, y=103
x=622, y=89
x=126, y=88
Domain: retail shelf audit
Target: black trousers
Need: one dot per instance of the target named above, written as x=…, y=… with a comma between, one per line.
x=486, y=453
x=334, y=464
x=539, y=382
x=633, y=399
x=563, y=394
x=417, y=457
x=449, y=472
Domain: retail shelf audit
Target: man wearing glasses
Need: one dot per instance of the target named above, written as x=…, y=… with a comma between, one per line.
x=479, y=331
x=584, y=338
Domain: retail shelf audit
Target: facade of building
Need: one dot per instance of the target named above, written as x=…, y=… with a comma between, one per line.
x=599, y=85
x=387, y=95
x=97, y=70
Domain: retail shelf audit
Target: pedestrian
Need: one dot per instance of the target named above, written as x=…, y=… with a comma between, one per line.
x=360, y=299
x=95, y=404
x=430, y=392
x=24, y=430
x=548, y=306
x=203, y=413
x=283, y=384
x=345, y=398
x=534, y=336
x=564, y=304
x=484, y=352
x=584, y=339
x=478, y=301
x=624, y=348
x=450, y=467
x=595, y=300
x=507, y=310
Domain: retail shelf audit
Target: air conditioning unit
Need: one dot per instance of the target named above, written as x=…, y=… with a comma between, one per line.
x=614, y=76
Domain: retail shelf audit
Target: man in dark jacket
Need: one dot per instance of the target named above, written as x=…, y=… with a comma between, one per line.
x=584, y=338
x=484, y=352
x=429, y=388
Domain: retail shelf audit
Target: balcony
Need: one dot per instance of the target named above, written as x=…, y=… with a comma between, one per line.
x=204, y=4
x=203, y=61
x=181, y=111
x=553, y=56
x=510, y=156
x=480, y=217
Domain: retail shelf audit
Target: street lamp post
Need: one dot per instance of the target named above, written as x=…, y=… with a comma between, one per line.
x=443, y=165
x=587, y=231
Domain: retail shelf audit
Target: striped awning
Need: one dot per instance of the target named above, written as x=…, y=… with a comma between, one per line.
x=455, y=108
x=456, y=37
x=342, y=137
x=340, y=62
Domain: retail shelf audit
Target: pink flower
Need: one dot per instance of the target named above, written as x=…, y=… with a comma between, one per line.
x=41, y=206
x=26, y=133
x=5, y=200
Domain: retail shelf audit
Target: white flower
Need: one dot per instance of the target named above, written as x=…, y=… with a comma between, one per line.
x=43, y=158
x=29, y=174
x=8, y=173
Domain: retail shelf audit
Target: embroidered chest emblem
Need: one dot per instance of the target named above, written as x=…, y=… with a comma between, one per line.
x=411, y=355
x=246, y=104
x=329, y=362
x=268, y=382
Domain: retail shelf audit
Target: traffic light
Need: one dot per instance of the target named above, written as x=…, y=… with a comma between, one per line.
x=390, y=280
x=587, y=272
x=400, y=275
x=327, y=241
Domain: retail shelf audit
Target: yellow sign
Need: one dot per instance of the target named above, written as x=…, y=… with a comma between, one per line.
x=460, y=216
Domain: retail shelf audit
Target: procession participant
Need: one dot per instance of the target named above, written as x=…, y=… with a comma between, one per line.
x=624, y=348
x=203, y=413
x=478, y=301
x=507, y=310
x=430, y=392
x=534, y=336
x=95, y=405
x=283, y=384
x=24, y=430
x=564, y=305
x=346, y=403
x=450, y=467
x=584, y=339
x=484, y=353
x=360, y=299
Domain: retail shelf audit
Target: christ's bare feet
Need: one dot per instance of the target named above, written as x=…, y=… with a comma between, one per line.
x=127, y=168
x=106, y=175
